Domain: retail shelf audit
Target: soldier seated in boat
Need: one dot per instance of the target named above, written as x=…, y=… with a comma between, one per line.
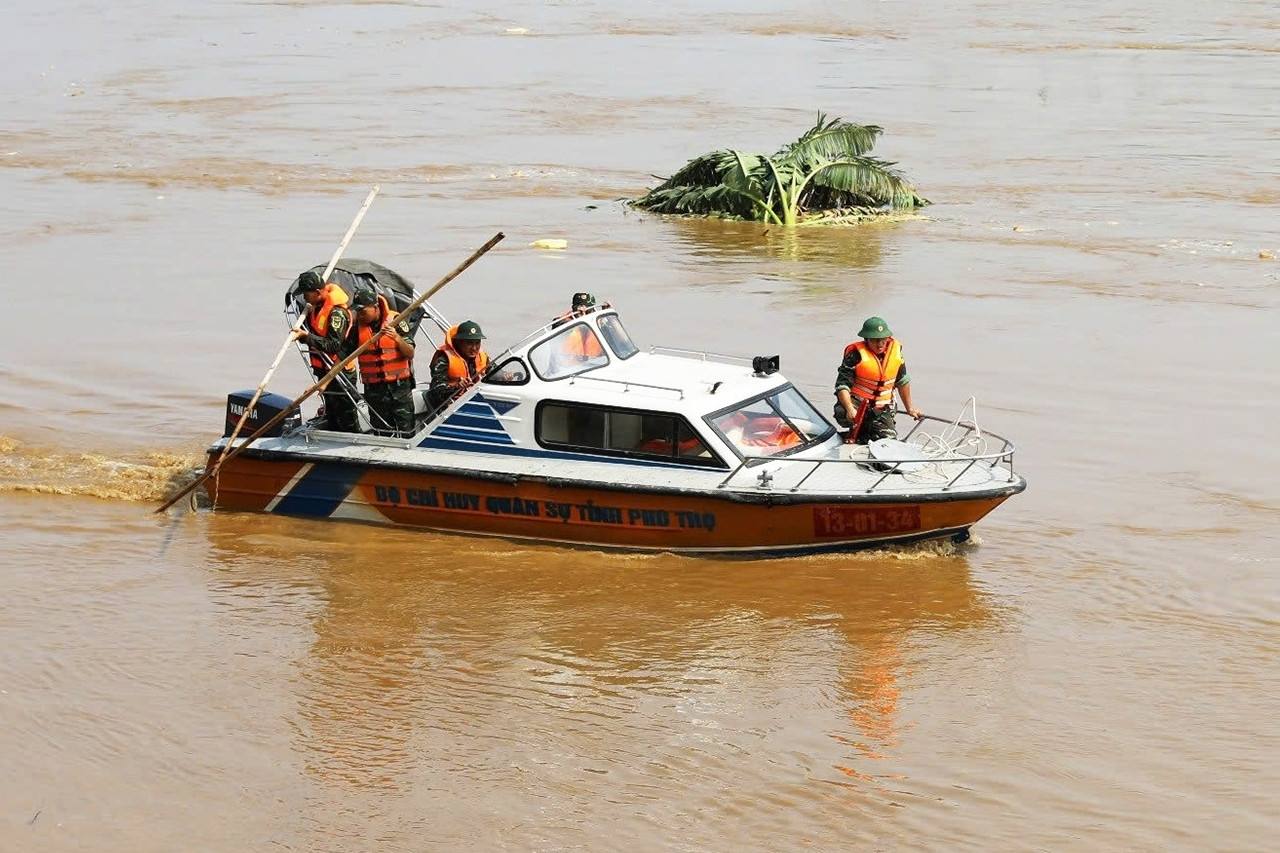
x=871, y=370
x=458, y=364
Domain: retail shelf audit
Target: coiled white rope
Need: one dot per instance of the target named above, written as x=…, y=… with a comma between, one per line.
x=954, y=441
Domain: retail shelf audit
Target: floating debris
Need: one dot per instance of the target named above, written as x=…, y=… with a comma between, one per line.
x=553, y=243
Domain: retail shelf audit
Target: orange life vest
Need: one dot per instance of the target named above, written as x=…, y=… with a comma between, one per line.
x=332, y=297
x=459, y=368
x=761, y=430
x=582, y=344
x=663, y=446
x=381, y=362
x=875, y=379
x=769, y=432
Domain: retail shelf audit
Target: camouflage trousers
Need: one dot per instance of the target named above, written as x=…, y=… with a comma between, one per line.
x=339, y=407
x=391, y=406
x=876, y=424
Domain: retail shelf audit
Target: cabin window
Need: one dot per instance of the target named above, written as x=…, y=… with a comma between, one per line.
x=622, y=432
x=775, y=423
x=617, y=337
x=574, y=349
x=510, y=372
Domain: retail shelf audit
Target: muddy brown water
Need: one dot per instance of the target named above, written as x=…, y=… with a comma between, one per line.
x=1097, y=671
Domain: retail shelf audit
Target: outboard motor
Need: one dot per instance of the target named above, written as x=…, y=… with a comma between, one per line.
x=268, y=406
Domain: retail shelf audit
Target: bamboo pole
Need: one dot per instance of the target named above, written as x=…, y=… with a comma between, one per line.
x=226, y=456
x=302, y=318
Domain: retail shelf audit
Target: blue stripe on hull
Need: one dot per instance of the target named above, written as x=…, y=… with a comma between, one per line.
x=480, y=424
x=487, y=437
x=319, y=492
x=476, y=421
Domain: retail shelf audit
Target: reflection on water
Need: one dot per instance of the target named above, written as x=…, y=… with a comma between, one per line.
x=426, y=647
x=803, y=255
x=873, y=676
x=365, y=686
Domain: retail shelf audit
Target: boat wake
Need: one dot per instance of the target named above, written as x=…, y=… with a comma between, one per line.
x=150, y=477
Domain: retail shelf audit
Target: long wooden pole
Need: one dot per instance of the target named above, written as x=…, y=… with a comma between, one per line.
x=302, y=318
x=213, y=470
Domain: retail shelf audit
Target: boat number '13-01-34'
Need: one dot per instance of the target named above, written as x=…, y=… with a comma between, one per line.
x=865, y=521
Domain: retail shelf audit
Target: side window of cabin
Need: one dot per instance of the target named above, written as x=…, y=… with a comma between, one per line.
x=621, y=432
x=510, y=372
x=689, y=445
x=571, y=426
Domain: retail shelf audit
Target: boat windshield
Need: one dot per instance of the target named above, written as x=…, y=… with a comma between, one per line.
x=616, y=335
x=775, y=423
x=574, y=349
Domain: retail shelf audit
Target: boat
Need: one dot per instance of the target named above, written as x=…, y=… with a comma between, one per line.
x=609, y=446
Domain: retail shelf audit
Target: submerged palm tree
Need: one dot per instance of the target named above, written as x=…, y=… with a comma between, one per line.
x=825, y=172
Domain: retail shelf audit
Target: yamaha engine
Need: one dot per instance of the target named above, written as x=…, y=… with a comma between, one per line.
x=267, y=407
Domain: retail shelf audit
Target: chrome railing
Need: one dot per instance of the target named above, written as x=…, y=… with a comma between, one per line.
x=962, y=444
x=698, y=355
x=627, y=384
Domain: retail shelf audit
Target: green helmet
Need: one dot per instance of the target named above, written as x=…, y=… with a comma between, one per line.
x=310, y=280
x=583, y=300
x=874, y=329
x=363, y=297
x=468, y=331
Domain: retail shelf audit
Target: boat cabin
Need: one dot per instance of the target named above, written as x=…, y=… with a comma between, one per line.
x=581, y=387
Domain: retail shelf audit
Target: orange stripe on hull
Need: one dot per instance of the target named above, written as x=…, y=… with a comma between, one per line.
x=249, y=484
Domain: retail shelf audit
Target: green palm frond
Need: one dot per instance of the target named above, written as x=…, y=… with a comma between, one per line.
x=701, y=171
x=826, y=169
x=870, y=180
x=832, y=140
x=742, y=172
x=718, y=183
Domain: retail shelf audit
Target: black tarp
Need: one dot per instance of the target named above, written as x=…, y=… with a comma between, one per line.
x=353, y=272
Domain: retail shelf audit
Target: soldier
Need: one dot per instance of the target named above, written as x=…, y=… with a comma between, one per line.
x=386, y=368
x=580, y=304
x=871, y=370
x=582, y=344
x=327, y=333
x=457, y=364
x=578, y=346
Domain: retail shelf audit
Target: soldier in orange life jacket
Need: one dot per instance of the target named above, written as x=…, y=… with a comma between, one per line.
x=327, y=332
x=457, y=364
x=872, y=369
x=580, y=344
x=386, y=368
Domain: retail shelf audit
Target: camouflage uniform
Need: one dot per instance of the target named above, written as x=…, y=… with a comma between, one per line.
x=391, y=403
x=390, y=400
x=442, y=388
x=445, y=387
x=876, y=423
x=339, y=405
